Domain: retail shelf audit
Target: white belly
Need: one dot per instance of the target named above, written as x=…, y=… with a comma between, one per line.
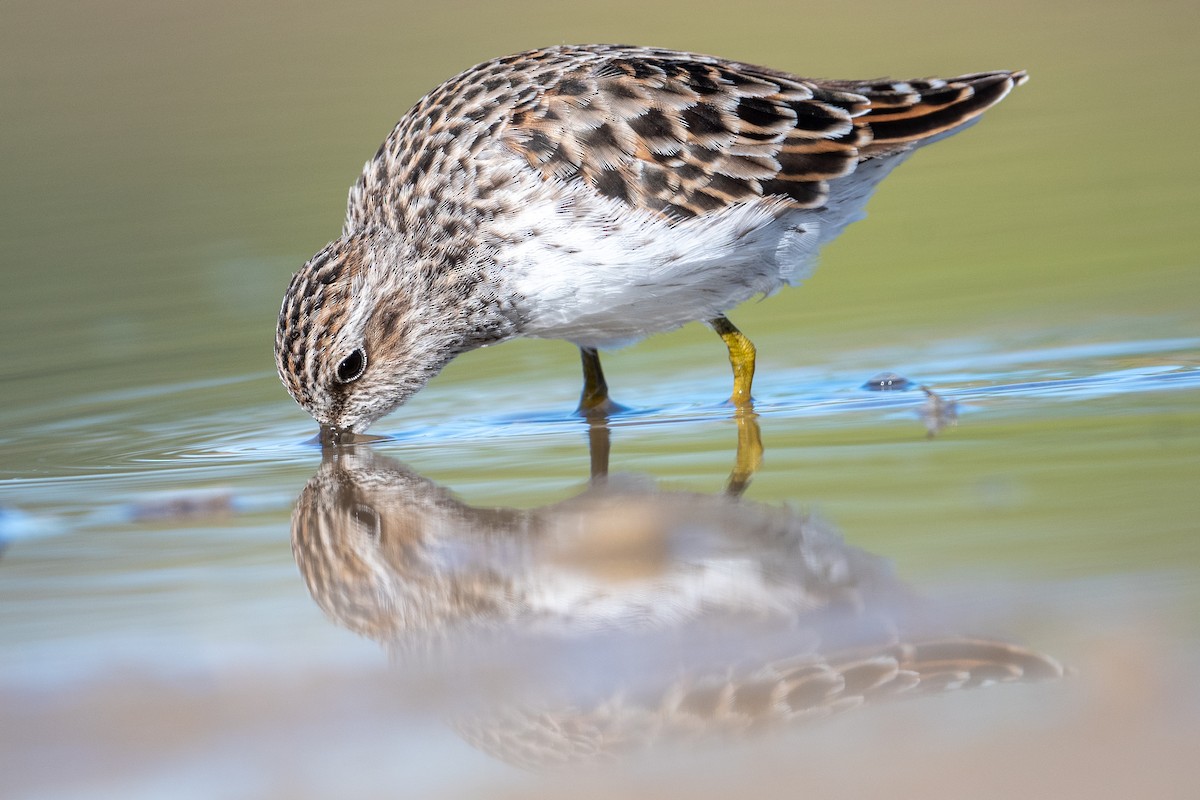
x=597, y=273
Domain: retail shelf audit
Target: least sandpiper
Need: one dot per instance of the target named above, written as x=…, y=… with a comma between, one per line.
x=597, y=194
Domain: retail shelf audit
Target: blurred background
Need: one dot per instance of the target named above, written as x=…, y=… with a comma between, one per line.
x=167, y=166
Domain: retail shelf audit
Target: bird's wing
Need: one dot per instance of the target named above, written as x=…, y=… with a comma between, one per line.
x=684, y=135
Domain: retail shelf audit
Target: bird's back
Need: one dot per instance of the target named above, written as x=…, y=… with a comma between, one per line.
x=672, y=133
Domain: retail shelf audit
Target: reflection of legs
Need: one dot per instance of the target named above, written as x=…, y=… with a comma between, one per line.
x=594, y=401
x=749, y=452
x=599, y=445
x=741, y=358
x=595, y=404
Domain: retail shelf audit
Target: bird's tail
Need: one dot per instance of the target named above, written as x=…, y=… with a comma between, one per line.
x=903, y=114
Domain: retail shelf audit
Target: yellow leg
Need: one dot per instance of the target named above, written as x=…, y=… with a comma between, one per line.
x=594, y=402
x=741, y=358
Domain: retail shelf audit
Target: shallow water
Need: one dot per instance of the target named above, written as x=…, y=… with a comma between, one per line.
x=196, y=600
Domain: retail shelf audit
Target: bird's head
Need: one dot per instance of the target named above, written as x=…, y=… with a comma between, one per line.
x=363, y=327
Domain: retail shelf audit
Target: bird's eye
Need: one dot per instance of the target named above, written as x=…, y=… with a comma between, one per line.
x=352, y=366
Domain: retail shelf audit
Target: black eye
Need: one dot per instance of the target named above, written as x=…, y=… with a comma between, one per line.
x=352, y=366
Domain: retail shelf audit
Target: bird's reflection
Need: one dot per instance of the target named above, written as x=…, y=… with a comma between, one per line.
x=627, y=614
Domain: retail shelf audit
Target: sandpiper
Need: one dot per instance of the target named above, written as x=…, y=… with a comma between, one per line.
x=597, y=194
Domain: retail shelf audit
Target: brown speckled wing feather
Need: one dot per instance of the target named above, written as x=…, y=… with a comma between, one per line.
x=672, y=133
x=904, y=113
x=683, y=134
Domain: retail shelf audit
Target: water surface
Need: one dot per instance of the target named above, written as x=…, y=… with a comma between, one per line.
x=196, y=600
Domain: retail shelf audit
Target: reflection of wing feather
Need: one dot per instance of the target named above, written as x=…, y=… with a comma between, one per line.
x=681, y=134
x=809, y=688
